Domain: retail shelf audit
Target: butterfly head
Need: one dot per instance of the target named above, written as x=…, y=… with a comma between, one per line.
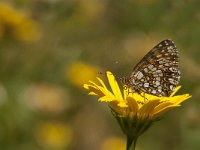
x=125, y=80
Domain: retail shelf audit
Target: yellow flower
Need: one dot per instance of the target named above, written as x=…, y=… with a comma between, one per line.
x=17, y=25
x=78, y=73
x=113, y=143
x=130, y=104
x=54, y=135
x=134, y=112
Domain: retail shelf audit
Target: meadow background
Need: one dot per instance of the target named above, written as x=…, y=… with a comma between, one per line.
x=50, y=48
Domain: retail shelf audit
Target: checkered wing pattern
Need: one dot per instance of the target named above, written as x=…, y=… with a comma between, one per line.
x=158, y=72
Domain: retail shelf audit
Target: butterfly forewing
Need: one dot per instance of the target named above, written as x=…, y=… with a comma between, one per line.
x=158, y=72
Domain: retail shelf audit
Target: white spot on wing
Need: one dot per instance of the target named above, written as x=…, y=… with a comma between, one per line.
x=145, y=70
x=158, y=71
x=139, y=75
x=153, y=91
x=146, y=84
x=171, y=87
x=150, y=67
x=157, y=83
x=154, y=69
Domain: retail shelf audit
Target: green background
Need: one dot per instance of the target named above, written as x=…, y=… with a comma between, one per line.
x=108, y=34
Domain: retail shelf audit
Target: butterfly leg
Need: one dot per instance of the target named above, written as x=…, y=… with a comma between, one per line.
x=143, y=95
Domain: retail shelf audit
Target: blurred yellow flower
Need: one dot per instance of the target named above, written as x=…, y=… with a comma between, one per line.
x=79, y=73
x=114, y=143
x=46, y=98
x=54, y=135
x=17, y=25
x=134, y=112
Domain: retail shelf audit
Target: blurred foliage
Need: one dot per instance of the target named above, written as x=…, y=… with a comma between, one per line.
x=48, y=48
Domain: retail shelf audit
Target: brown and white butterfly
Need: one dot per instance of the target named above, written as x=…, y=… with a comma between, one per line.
x=158, y=71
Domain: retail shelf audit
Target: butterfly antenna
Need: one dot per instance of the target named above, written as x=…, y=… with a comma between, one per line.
x=116, y=77
x=101, y=73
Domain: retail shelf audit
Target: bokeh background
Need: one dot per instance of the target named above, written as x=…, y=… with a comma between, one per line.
x=50, y=48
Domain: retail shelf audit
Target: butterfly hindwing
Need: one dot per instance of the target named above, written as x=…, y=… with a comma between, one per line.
x=158, y=72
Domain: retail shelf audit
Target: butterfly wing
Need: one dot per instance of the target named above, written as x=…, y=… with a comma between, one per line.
x=158, y=72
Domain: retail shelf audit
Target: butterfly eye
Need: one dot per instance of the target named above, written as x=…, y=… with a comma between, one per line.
x=125, y=87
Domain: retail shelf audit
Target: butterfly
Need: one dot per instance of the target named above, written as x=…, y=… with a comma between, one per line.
x=158, y=71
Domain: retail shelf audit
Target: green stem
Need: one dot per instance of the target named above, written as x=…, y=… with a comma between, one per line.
x=129, y=143
x=134, y=143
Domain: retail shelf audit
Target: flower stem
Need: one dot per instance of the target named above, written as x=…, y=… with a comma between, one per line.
x=129, y=145
x=134, y=143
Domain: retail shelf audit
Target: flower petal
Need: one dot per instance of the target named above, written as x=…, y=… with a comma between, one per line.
x=92, y=93
x=93, y=89
x=132, y=104
x=181, y=98
x=104, y=86
x=162, y=106
x=114, y=85
x=174, y=92
x=122, y=104
x=107, y=98
x=164, y=110
x=148, y=108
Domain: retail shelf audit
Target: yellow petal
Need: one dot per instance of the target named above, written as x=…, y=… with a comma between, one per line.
x=94, y=90
x=114, y=85
x=104, y=86
x=148, y=108
x=180, y=98
x=138, y=97
x=86, y=86
x=122, y=104
x=114, y=106
x=164, y=110
x=107, y=99
x=162, y=106
x=101, y=91
x=92, y=93
x=132, y=104
x=150, y=97
x=92, y=83
x=174, y=92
